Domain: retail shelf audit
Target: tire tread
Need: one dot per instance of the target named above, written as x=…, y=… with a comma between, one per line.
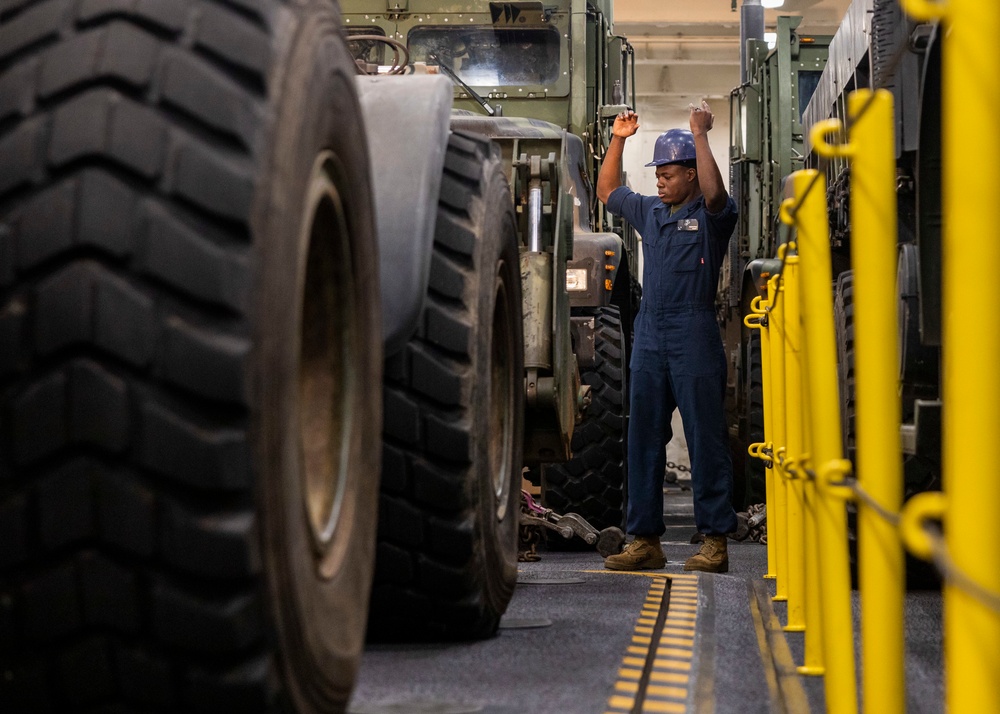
x=591, y=484
x=425, y=583
x=129, y=137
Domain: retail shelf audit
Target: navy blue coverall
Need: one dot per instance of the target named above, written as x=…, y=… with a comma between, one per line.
x=678, y=360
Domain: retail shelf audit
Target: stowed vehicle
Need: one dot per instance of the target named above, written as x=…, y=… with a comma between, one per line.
x=772, y=117
x=529, y=89
x=209, y=249
x=766, y=145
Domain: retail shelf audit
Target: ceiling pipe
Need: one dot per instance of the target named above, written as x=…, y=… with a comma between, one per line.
x=751, y=28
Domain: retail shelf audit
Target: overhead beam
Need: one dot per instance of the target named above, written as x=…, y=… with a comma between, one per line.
x=668, y=95
x=638, y=30
x=688, y=61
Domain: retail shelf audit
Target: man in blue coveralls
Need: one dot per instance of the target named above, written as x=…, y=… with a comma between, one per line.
x=677, y=358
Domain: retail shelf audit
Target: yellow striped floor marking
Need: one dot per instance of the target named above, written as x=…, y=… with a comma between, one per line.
x=665, y=707
x=655, y=672
x=678, y=630
x=680, y=641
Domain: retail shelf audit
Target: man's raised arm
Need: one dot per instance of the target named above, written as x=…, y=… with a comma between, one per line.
x=709, y=176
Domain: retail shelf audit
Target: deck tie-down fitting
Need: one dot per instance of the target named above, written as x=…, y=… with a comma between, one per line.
x=608, y=541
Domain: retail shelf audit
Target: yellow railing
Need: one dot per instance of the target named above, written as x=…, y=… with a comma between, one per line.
x=809, y=480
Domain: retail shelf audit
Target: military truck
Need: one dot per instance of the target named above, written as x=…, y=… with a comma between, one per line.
x=876, y=46
x=198, y=343
x=531, y=90
x=766, y=144
x=902, y=56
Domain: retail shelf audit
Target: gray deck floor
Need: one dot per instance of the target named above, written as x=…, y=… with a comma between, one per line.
x=561, y=644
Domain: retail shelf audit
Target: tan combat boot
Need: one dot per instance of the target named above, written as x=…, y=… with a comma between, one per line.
x=643, y=553
x=712, y=557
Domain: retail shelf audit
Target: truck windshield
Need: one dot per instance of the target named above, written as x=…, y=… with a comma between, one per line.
x=488, y=57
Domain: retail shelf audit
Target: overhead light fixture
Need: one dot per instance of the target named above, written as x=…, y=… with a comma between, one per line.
x=772, y=3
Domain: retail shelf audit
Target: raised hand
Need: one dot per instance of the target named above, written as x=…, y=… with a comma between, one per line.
x=701, y=118
x=626, y=124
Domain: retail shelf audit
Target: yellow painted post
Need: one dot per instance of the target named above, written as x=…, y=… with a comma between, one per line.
x=971, y=344
x=825, y=448
x=878, y=416
x=813, y=664
x=798, y=442
x=757, y=320
x=772, y=546
x=777, y=422
x=971, y=392
x=793, y=447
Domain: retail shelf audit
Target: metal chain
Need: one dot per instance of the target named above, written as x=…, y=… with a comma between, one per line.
x=527, y=546
x=869, y=500
x=757, y=523
x=950, y=572
x=671, y=473
x=791, y=467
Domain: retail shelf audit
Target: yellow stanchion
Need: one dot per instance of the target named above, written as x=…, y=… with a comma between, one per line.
x=971, y=343
x=793, y=447
x=813, y=663
x=802, y=489
x=757, y=320
x=798, y=439
x=777, y=423
x=825, y=448
x=881, y=570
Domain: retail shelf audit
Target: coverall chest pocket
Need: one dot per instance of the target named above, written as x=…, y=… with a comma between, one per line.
x=685, y=252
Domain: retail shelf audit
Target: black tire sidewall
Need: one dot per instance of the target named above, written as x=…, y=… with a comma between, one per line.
x=497, y=537
x=604, y=496
x=319, y=622
x=843, y=310
x=754, y=469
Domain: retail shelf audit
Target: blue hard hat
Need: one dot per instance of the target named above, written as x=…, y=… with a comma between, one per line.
x=673, y=147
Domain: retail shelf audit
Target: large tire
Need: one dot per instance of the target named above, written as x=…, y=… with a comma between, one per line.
x=188, y=314
x=843, y=312
x=917, y=474
x=446, y=563
x=592, y=483
x=754, y=469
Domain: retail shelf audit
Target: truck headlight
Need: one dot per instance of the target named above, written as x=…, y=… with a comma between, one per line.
x=576, y=280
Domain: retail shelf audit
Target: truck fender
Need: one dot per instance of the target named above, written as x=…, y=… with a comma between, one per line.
x=596, y=259
x=759, y=271
x=407, y=124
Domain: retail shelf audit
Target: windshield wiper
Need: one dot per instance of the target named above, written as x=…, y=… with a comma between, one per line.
x=455, y=78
